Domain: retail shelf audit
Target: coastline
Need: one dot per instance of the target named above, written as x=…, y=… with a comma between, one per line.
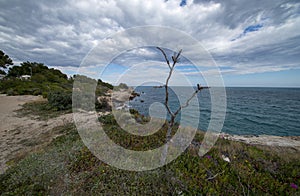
x=230, y=163
x=267, y=140
x=19, y=134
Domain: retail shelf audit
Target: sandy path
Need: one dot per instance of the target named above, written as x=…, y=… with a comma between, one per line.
x=8, y=104
x=22, y=134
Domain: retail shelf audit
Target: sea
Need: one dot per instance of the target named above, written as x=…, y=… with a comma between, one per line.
x=249, y=111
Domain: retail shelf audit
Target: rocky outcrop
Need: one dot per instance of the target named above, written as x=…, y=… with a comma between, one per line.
x=269, y=140
x=118, y=99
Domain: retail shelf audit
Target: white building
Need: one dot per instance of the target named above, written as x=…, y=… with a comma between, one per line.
x=25, y=77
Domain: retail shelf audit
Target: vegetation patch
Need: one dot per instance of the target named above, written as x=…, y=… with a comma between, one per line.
x=40, y=110
x=66, y=166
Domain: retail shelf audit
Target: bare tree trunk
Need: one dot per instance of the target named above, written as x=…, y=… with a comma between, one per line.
x=165, y=149
x=175, y=59
x=168, y=138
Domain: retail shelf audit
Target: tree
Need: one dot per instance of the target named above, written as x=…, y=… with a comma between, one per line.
x=5, y=61
x=171, y=123
x=33, y=68
x=2, y=72
x=105, y=84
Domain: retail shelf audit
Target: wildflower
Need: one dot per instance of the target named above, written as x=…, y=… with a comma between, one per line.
x=294, y=186
x=208, y=156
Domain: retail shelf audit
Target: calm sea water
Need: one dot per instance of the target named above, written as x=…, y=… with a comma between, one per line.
x=250, y=111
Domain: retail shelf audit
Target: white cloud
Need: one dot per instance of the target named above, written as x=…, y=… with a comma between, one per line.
x=65, y=31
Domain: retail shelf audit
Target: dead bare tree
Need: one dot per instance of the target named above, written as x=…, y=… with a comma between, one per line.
x=171, y=123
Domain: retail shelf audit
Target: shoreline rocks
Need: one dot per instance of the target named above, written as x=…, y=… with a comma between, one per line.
x=268, y=140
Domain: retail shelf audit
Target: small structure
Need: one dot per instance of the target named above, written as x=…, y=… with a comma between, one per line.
x=2, y=76
x=25, y=77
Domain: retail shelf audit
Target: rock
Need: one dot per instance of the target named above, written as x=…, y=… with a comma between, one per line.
x=133, y=95
x=225, y=158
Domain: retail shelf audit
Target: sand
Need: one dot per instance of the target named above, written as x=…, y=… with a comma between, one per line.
x=19, y=135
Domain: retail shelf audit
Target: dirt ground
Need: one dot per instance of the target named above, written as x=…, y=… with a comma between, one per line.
x=19, y=135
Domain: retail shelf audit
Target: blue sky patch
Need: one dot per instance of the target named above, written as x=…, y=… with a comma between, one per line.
x=182, y=3
x=252, y=28
x=249, y=29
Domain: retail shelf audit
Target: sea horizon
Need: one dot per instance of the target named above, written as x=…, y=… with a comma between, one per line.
x=225, y=86
x=250, y=110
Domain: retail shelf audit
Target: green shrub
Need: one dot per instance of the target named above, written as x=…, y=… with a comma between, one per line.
x=104, y=84
x=45, y=94
x=102, y=104
x=108, y=119
x=11, y=92
x=60, y=100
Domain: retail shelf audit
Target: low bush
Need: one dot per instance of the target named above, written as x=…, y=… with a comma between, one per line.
x=67, y=167
x=60, y=100
x=102, y=104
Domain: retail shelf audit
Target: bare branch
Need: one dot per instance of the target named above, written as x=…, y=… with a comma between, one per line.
x=186, y=103
x=167, y=97
x=166, y=58
x=175, y=59
x=179, y=53
x=211, y=178
x=199, y=88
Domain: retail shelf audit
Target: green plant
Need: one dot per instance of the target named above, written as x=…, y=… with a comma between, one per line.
x=60, y=100
x=5, y=61
x=40, y=110
x=102, y=104
x=67, y=167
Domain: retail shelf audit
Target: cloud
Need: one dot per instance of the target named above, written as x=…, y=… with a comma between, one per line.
x=246, y=36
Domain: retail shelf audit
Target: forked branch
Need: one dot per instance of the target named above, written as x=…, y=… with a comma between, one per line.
x=166, y=58
x=175, y=59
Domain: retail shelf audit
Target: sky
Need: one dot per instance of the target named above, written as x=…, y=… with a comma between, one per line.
x=251, y=43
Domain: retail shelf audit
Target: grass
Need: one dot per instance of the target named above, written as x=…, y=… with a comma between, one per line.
x=66, y=166
x=40, y=110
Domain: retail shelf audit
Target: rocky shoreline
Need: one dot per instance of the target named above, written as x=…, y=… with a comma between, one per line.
x=123, y=95
x=268, y=140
